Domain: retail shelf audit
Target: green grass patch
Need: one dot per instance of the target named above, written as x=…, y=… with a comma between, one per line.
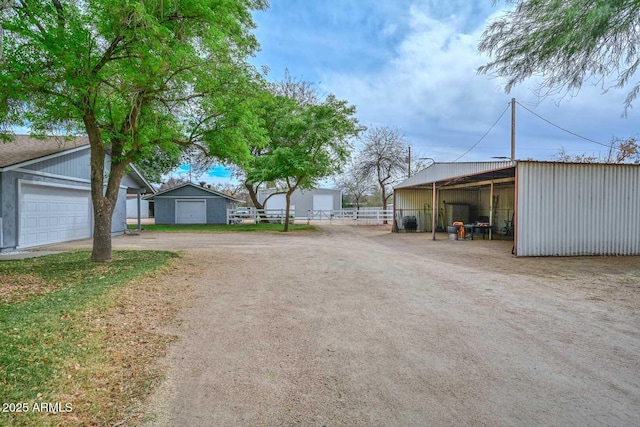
x=48, y=338
x=225, y=228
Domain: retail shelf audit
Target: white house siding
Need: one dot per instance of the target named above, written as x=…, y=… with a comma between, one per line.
x=577, y=209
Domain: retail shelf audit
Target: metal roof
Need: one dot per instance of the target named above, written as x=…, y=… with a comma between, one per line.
x=459, y=173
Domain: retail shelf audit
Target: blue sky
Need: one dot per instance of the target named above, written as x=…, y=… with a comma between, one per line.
x=411, y=64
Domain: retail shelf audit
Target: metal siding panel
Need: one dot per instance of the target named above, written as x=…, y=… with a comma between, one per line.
x=415, y=203
x=477, y=199
x=504, y=210
x=303, y=201
x=578, y=209
x=413, y=199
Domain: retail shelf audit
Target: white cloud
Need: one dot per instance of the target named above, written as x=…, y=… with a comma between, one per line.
x=430, y=89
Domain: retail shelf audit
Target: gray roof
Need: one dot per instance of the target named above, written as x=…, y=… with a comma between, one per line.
x=447, y=171
x=199, y=187
x=24, y=148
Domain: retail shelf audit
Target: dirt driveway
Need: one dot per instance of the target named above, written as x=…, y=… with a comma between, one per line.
x=356, y=326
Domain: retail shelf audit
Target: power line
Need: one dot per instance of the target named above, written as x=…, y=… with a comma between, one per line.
x=485, y=134
x=563, y=129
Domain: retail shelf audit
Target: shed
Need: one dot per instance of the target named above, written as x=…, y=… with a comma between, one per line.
x=192, y=204
x=45, y=193
x=549, y=208
x=316, y=202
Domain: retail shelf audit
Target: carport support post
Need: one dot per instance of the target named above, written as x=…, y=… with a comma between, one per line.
x=491, y=209
x=139, y=220
x=433, y=212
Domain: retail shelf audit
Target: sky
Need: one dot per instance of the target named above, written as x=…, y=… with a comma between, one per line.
x=411, y=65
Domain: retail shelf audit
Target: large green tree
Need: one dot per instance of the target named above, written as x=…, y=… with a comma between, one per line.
x=565, y=43
x=134, y=76
x=309, y=139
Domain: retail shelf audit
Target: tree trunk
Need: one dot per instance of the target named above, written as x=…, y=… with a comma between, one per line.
x=253, y=194
x=104, y=201
x=384, y=199
x=102, y=219
x=287, y=210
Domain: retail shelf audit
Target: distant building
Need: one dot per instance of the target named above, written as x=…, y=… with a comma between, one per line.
x=192, y=204
x=315, y=202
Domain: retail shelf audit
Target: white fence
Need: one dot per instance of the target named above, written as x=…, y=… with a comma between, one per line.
x=368, y=216
x=253, y=215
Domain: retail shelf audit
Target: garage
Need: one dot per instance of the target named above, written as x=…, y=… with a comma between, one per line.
x=323, y=202
x=52, y=214
x=189, y=203
x=312, y=203
x=191, y=212
x=45, y=194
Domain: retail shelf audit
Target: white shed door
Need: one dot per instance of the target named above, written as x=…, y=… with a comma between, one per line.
x=322, y=202
x=191, y=212
x=53, y=215
x=277, y=201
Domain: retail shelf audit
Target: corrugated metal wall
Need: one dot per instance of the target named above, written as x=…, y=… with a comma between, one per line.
x=578, y=209
x=504, y=195
x=414, y=203
x=410, y=201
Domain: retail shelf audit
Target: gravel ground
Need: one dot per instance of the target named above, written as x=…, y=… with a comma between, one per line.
x=360, y=327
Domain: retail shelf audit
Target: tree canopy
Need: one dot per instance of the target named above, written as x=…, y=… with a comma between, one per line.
x=566, y=43
x=138, y=78
x=309, y=138
x=383, y=158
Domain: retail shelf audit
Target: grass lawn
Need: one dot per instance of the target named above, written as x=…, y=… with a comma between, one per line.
x=74, y=347
x=229, y=228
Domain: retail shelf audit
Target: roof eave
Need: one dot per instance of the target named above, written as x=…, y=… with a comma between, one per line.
x=43, y=158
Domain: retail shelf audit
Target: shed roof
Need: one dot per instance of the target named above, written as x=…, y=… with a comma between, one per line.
x=199, y=187
x=24, y=148
x=459, y=173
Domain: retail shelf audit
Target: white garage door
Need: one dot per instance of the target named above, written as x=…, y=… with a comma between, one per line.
x=53, y=215
x=277, y=201
x=277, y=204
x=191, y=212
x=322, y=202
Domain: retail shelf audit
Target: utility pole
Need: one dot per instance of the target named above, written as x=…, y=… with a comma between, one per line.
x=409, y=162
x=513, y=129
